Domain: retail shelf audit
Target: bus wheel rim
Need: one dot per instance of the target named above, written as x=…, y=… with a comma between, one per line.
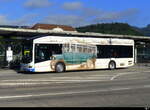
x=59, y=68
x=112, y=65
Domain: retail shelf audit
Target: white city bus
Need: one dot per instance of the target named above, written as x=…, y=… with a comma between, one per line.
x=63, y=53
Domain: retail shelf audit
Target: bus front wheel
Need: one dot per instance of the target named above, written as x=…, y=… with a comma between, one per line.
x=112, y=65
x=60, y=67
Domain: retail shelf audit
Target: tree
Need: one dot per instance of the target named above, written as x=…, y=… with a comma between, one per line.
x=110, y=28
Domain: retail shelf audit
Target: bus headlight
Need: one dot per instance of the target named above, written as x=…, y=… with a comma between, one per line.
x=129, y=62
x=29, y=66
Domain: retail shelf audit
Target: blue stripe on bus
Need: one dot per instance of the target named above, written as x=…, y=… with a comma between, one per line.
x=30, y=69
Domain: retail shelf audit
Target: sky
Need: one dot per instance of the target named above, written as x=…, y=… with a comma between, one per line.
x=74, y=12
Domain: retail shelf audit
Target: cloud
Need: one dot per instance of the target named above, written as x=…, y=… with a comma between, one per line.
x=88, y=12
x=90, y=16
x=33, y=4
x=72, y=6
x=86, y=15
x=114, y=16
x=24, y=20
x=71, y=20
x=6, y=0
x=3, y=20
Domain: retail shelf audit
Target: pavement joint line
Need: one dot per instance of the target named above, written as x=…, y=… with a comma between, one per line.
x=127, y=88
x=147, y=86
x=23, y=81
x=53, y=80
x=72, y=92
x=68, y=78
x=41, y=83
x=146, y=71
x=58, y=79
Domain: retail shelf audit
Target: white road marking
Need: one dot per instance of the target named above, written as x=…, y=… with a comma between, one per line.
x=40, y=81
x=25, y=83
x=147, y=86
x=117, y=89
x=120, y=74
x=44, y=82
x=102, y=75
x=72, y=92
x=64, y=79
x=146, y=71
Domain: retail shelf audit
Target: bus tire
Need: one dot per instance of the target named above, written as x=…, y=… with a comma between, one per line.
x=112, y=65
x=60, y=67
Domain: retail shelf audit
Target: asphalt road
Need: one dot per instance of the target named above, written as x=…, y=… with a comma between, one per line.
x=100, y=88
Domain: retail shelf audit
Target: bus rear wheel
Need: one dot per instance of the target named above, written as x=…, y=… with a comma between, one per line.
x=112, y=65
x=60, y=67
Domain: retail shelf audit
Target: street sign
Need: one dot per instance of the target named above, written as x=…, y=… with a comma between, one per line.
x=9, y=55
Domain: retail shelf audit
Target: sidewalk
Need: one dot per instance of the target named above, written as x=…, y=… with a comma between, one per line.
x=7, y=70
x=143, y=64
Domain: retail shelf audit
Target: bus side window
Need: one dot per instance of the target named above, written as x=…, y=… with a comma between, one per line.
x=65, y=48
x=56, y=48
x=94, y=50
x=103, y=51
x=84, y=49
x=73, y=49
x=79, y=49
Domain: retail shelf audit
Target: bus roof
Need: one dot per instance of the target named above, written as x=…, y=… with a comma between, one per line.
x=82, y=40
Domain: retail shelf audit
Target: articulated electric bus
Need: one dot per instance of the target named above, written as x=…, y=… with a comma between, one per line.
x=63, y=53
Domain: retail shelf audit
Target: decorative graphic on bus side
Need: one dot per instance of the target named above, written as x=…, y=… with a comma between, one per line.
x=81, y=56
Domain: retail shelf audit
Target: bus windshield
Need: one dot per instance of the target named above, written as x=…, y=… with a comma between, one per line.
x=27, y=52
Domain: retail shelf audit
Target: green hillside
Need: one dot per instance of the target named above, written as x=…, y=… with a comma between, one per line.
x=110, y=28
x=146, y=30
